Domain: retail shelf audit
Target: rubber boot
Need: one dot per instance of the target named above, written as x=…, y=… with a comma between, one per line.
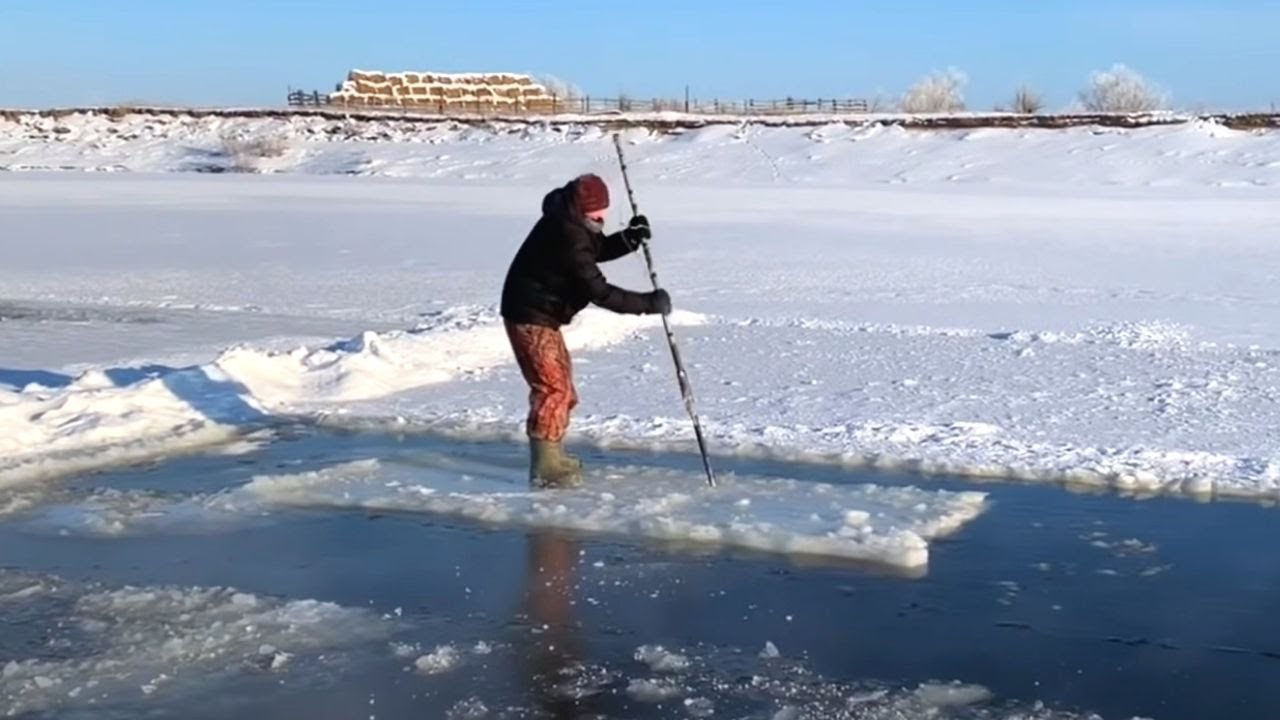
x=550, y=469
x=570, y=461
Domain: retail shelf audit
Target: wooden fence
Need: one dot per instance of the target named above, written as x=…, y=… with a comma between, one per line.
x=601, y=106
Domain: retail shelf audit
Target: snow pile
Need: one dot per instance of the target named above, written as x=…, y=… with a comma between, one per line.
x=888, y=525
x=99, y=420
x=375, y=365
x=117, y=647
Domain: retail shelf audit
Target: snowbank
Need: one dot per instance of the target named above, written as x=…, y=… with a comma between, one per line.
x=114, y=416
x=822, y=153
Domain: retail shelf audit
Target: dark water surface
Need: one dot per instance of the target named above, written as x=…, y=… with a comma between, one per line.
x=1161, y=608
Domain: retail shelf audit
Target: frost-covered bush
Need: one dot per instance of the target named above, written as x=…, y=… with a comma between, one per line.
x=562, y=89
x=936, y=93
x=1121, y=90
x=1026, y=101
x=246, y=150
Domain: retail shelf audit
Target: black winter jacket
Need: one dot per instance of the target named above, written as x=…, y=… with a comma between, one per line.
x=555, y=275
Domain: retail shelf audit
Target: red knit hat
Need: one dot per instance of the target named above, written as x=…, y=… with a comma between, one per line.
x=591, y=194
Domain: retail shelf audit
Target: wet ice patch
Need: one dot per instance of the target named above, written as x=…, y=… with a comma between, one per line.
x=699, y=707
x=17, y=587
x=109, y=512
x=113, y=648
x=731, y=682
x=469, y=709
x=441, y=660
x=659, y=659
x=952, y=694
x=654, y=690
x=79, y=315
x=890, y=525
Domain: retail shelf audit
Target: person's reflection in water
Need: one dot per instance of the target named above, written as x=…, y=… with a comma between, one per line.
x=553, y=654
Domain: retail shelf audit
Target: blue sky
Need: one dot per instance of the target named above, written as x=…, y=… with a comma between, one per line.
x=1219, y=54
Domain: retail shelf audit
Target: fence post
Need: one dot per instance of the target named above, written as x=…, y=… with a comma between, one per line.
x=686, y=99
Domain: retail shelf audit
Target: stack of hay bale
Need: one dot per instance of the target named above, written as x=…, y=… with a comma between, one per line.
x=486, y=93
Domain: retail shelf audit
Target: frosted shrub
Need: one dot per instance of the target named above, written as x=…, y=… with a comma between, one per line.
x=1027, y=101
x=246, y=150
x=560, y=88
x=936, y=93
x=1121, y=90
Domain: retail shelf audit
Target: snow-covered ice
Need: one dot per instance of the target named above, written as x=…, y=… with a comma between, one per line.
x=888, y=525
x=1090, y=305
x=884, y=525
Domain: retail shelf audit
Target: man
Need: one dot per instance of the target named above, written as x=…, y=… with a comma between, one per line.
x=553, y=277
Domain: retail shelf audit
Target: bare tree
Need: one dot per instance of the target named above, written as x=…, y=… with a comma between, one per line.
x=1121, y=90
x=936, y=93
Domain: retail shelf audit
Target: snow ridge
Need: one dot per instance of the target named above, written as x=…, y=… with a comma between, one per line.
x=111, y=417
x=1204, y=152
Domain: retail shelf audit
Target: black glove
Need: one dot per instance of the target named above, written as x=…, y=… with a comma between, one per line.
x=637, y=231
x=659, y=302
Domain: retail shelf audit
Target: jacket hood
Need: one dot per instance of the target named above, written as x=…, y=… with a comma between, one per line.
x=560, y=202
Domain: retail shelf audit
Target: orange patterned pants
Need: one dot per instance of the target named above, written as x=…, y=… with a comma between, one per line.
x=544, y=362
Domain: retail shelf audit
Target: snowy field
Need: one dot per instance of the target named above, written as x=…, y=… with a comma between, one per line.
x=1087, y=307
